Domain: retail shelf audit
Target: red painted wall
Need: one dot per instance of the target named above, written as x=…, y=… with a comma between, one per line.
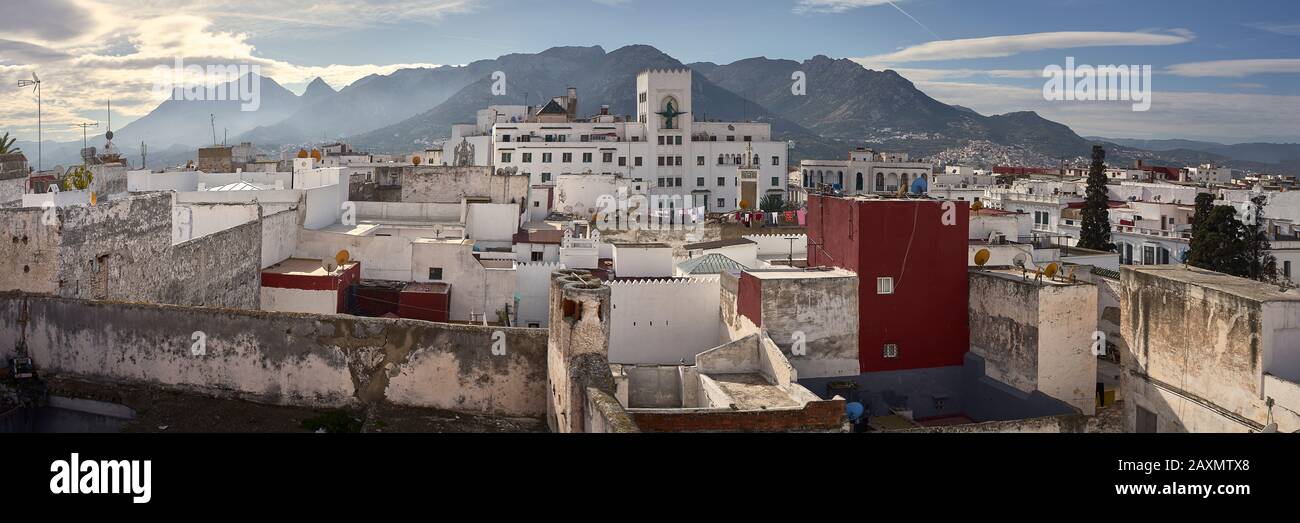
x=749, y=298
x=907, y=240
x=338, y=283
x=427, y=306
x=377, y=301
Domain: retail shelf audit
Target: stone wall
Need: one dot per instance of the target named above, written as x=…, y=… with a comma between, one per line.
x=121, y=250
x=283, y=358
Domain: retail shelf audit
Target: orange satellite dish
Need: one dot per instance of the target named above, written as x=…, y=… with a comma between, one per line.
x=342, y=257
x=982, y=257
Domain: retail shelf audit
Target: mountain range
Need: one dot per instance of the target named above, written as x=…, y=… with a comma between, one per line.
x=842, y=105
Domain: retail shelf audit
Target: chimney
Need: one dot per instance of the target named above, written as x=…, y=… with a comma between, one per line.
x=573, y=103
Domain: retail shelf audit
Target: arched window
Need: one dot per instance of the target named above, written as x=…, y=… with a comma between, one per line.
x=858, y=185
x=840, y=182
x=903, y=182
x=880, y=182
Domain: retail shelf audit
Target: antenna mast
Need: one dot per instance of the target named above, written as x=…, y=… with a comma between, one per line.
x=213, y=121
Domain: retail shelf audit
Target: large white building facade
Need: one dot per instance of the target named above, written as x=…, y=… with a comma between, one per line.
x=664, y=153
x=865, y=172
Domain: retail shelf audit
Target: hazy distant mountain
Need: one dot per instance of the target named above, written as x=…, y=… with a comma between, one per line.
x=846, y=101
x=317, y=90
x=369, y=103
x=187, y=122
x=601, y=79
x=1252, y=152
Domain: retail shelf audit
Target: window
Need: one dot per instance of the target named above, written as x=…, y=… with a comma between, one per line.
x=537, y=204
x=505, y=138
x=505, y=157
x=776, y=160
x=566, y=157
x=677, y=140
x=661, y=182
x=891, y=351
x=528, y=157
x=622, y=161
x=722, y=181
x=884, y=285
x=533, y=325
x=1286, y=269
x=699, y=160
x=546, y=177
x=661, y=161
x=546, y=157
x=638, y=161
x=720, y=160
x=731, y=138
x=776, y=181
x=858, y=185
x=699, y=182
x=722, y=202
x=537, y=256
x=607, y=157
x=661, y=140
x=435, y=273
x=586, y=157
x=749, y=138
x=1146, y=421
x=880, y=182
x=679, y=160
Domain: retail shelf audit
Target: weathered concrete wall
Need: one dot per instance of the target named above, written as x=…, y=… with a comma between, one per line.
x=1036, y=337
x=290, y=359
x=108, y=179
x=279, y=236
x=12, y=189
x=1196, y=344
x=445, y=184
x=822, y=313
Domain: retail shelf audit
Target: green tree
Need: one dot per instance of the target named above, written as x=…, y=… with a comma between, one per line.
x=7, y=145
x=1095, y=233
x=1260, y=263
x=772, y=203
x=1198, y=252
x=78, y=179
x=1222, y=242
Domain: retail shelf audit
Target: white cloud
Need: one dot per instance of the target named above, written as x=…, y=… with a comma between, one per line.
x=1008, y=45
x=834, y=6
x=1236, y=68
x=112, y=53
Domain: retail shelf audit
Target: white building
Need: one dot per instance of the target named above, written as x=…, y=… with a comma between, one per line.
x=665, y=152
x=866, y=171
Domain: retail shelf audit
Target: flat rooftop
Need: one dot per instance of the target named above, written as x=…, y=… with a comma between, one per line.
x=1249, y=289
x=304, y=267
x=1029, y=277
x=751, y=391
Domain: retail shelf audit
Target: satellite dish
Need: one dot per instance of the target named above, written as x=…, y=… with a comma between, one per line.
x=327, y=263
x=982, y=257
x=1021, y=261
x=342, y=257
x=978, y=205
x=1051, y=270
x=1271, y=428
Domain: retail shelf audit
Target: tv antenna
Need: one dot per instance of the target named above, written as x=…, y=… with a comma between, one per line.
x=83, y=127
x=212, y=120
x=36, y=83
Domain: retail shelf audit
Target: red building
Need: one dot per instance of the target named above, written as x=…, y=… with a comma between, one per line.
x=301, y=285
x=910, y=257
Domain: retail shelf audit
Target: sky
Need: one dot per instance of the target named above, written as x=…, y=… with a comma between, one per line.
x=1222, y=71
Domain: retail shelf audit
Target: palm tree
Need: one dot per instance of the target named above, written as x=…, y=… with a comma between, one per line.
x=6, y=145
